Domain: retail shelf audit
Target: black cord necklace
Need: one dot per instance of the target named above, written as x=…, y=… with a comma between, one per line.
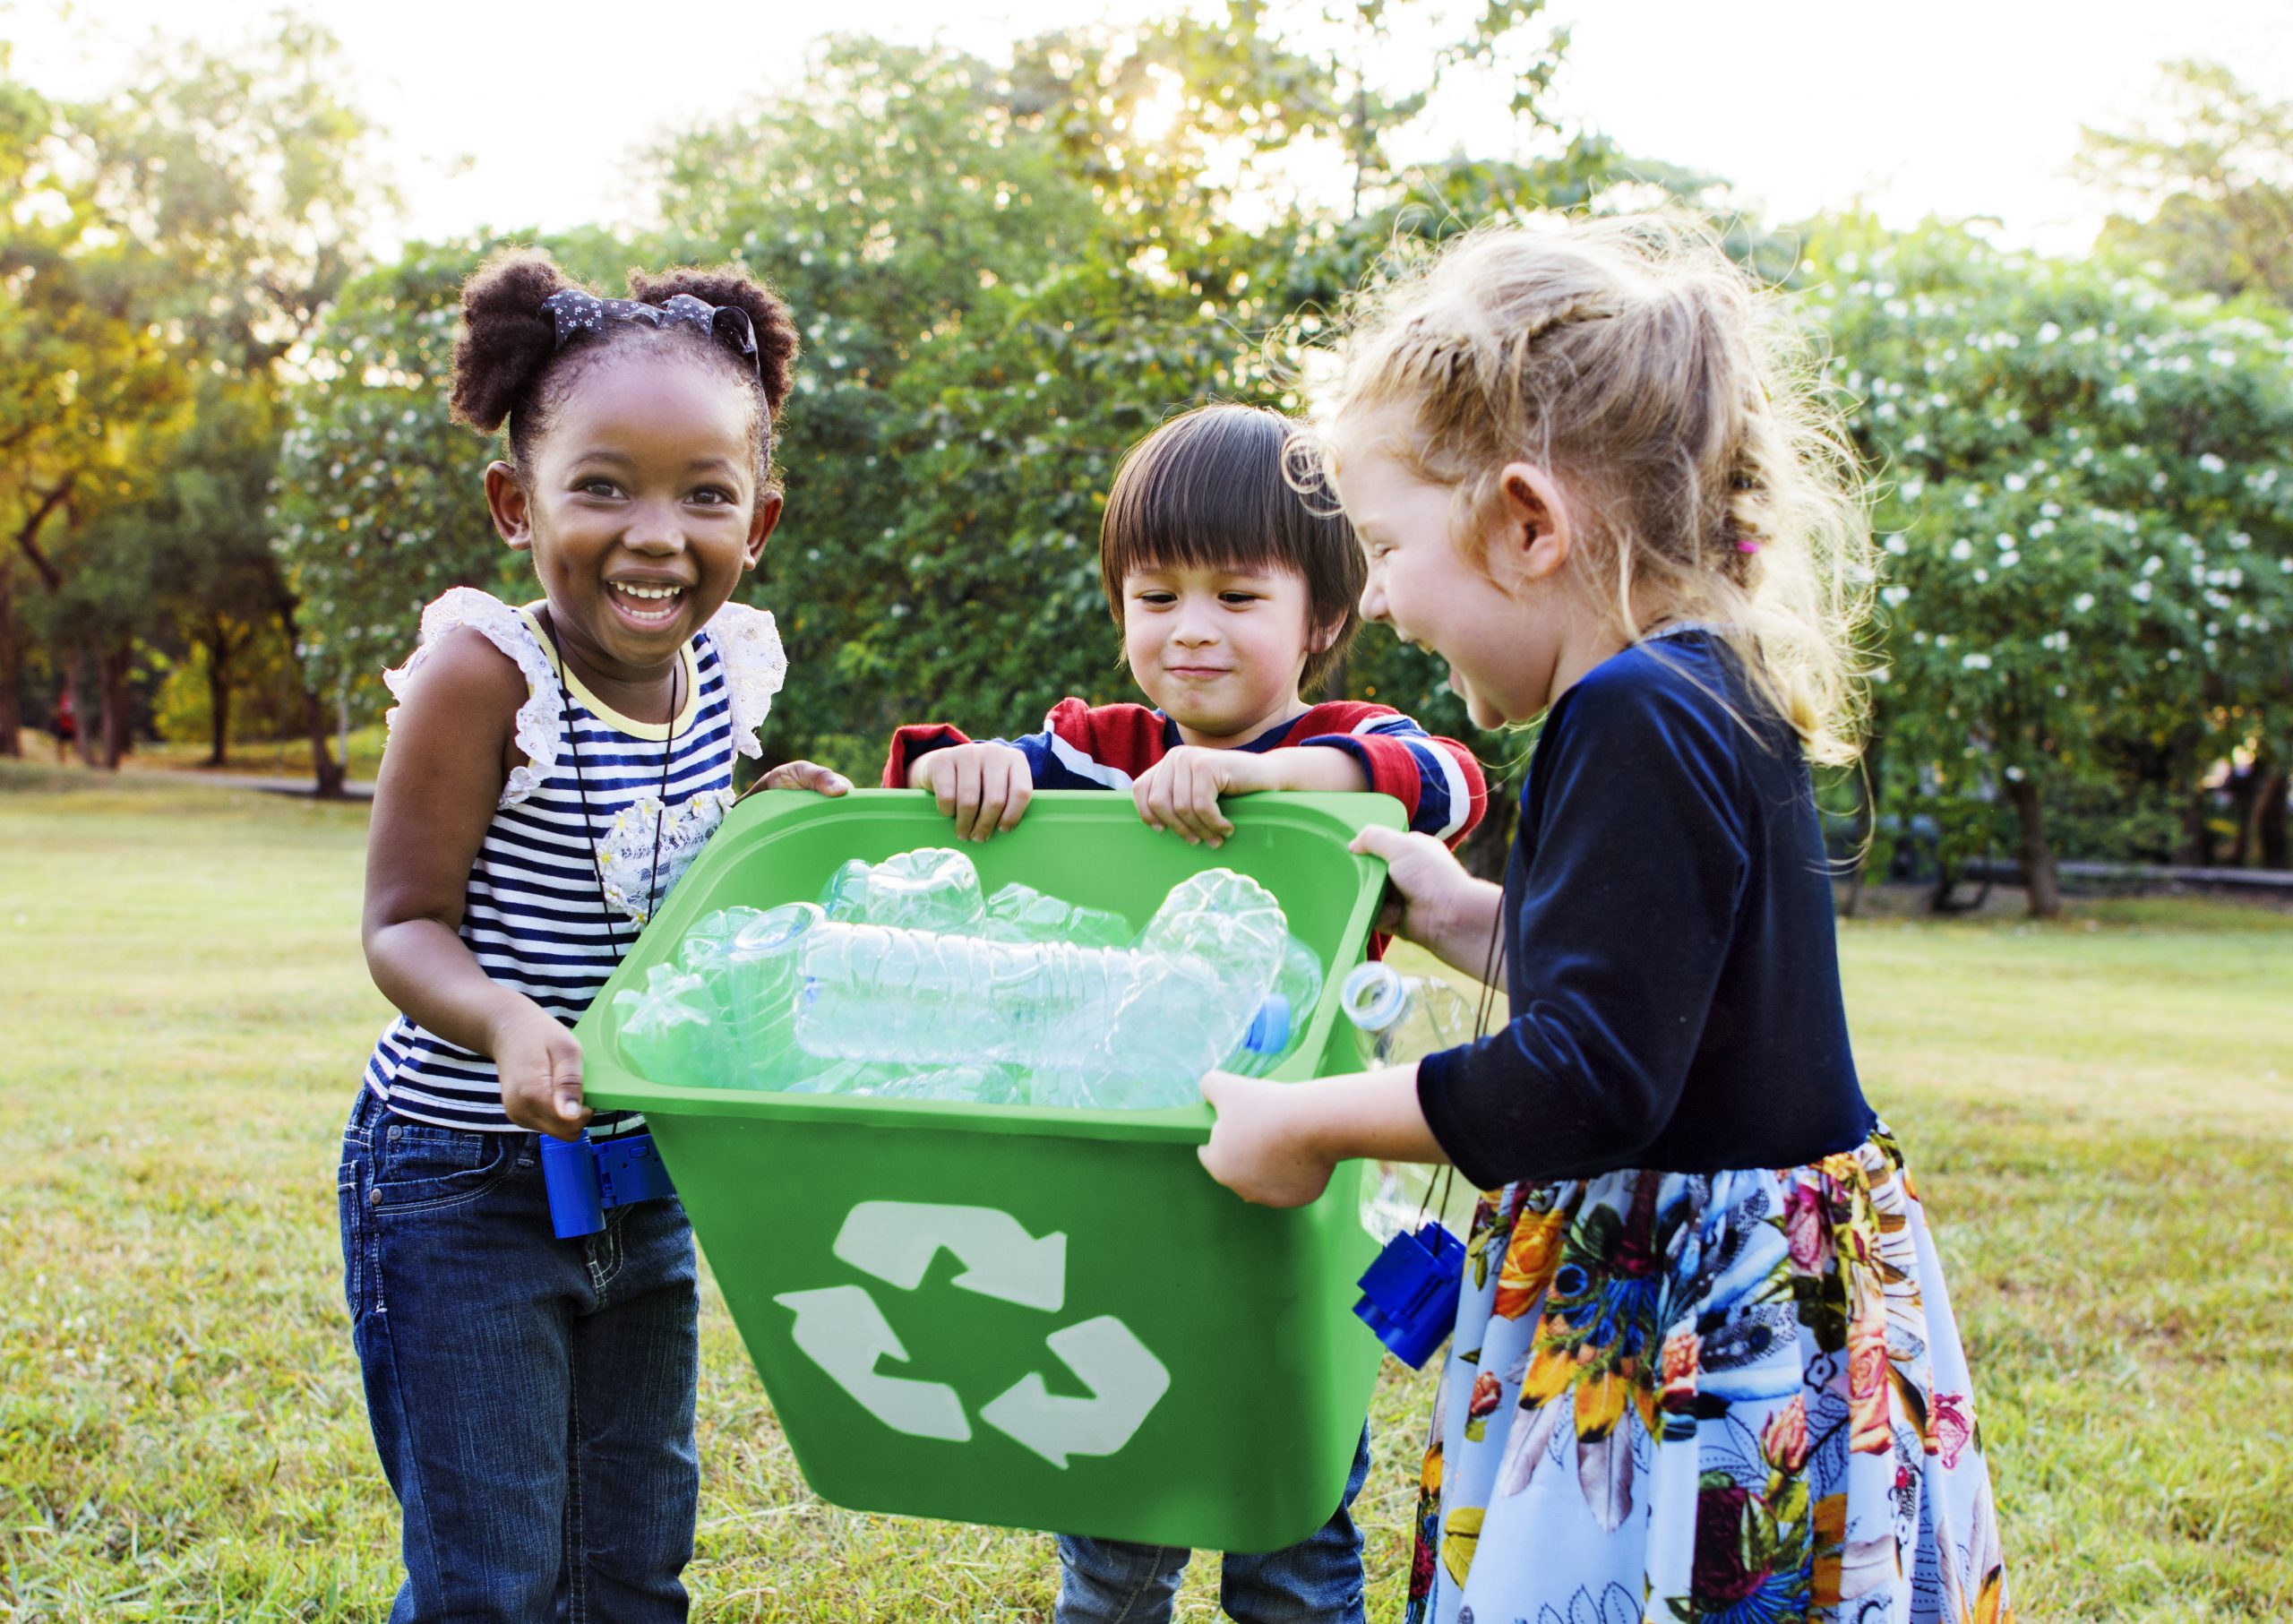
x=581, y=784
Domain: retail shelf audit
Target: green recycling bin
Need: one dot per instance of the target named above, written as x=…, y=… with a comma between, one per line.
x=1041, y=1319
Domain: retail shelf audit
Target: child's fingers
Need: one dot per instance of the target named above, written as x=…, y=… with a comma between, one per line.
x=963, y=792
x=1379, y=841
x=806, y=775
x=1203, y=818
x=1181, y=800
x=1153, y=795
x=1214, y=817
x=1022, y=791
x=994, y=793
x=565, y=1086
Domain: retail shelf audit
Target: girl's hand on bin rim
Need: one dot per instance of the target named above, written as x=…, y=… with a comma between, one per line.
x=802, y=775
x=540, y=1065
x=1180, y=792
x=1260, y=1147
x=1425, y=883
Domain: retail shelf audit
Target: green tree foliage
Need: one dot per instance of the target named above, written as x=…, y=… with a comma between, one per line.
x=2206, y=187
x=2089, y=537
x=180, y=237
x=1007, y=273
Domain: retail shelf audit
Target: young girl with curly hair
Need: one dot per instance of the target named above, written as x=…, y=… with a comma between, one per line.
x=552, y=770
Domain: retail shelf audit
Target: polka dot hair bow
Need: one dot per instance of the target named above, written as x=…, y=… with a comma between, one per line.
x=575, y=313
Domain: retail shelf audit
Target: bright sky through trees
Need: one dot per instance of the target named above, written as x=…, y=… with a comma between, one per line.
x=518, y=114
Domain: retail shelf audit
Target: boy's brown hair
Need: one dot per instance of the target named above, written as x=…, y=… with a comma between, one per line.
x=1219, y=486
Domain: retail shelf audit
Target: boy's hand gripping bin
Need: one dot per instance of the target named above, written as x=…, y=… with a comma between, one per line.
x=1009, y=1314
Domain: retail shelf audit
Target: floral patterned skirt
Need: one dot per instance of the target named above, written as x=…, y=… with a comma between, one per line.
x=1734, y=1396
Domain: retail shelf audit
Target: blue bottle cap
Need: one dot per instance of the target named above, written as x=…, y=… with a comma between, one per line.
x=1269, y=1032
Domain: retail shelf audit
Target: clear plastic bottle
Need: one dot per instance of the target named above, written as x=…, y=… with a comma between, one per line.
x=701, y=952
x=1131, y=1028
x=759, y=981
x=1280, y=1025
x=670, y=1031
x=1397, y=1019
x=929, y=889
x=1020, y=913
x=704, y=944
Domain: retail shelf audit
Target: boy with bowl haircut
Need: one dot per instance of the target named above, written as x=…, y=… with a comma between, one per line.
x=1234, y=592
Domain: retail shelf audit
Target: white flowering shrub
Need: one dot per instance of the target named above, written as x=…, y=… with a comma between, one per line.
x=2087, y=523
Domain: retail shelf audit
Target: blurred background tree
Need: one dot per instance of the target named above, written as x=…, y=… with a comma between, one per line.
x=228, y=480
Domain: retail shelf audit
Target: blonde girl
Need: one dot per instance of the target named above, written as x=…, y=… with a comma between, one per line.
x=1704, y=1369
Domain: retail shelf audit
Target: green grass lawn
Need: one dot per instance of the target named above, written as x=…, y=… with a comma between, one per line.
x=2100, y=1114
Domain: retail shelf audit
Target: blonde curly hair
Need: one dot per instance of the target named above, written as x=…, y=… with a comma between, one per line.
x=1680, y=402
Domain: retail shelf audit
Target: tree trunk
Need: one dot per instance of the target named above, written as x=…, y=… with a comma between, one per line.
x=118, y=738
x=327, y=772
x=2197, y=839
x=2270, y=833
x=2244, y=797
x=2039, y=877
x=220, y=651
x=11, y=664
x=75, y=682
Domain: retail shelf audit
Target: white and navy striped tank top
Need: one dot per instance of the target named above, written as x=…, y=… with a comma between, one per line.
x=548, y=876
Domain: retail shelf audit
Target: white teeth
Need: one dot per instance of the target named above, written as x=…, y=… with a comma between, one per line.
x=636, y=591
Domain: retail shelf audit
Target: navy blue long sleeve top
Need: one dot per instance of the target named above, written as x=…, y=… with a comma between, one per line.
x=1671, y=950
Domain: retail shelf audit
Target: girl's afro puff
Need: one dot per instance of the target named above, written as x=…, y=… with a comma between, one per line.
x=776, y=330
x=506, y=338
x=507, y=366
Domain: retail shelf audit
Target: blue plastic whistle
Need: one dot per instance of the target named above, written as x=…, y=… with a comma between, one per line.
x=1409, y=1295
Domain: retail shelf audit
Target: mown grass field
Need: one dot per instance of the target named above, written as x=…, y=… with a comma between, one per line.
x=2100, y=1112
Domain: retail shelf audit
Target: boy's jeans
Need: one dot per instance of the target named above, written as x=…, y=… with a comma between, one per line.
x=1316, y=1581
x=531, y=1398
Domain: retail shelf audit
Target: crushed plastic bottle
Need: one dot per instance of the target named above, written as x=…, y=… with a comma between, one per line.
x=1400, y=1198
x=929, y=889
x=1020, y=913
x=702, y=946
x=1130, y=1028
x=1280, y=1025
x=1398, y=1020
x=759, y=981
x=670, y=1031
x=701, y=952
x=842, y=1076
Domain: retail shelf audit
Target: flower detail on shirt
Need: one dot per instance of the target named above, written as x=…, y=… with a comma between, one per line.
x=625, y=862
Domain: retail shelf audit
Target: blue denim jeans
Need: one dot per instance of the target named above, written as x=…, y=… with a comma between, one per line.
x=531, y=1398
x=1316, y=1581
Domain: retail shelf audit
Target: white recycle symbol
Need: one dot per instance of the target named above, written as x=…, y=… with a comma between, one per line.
x=840, y=1329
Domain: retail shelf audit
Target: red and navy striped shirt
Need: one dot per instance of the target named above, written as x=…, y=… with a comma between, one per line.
x=1437, y=780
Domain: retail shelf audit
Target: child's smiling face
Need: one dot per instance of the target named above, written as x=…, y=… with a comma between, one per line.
x=1218, y=649
x=1492, y=606
x=640, y=508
